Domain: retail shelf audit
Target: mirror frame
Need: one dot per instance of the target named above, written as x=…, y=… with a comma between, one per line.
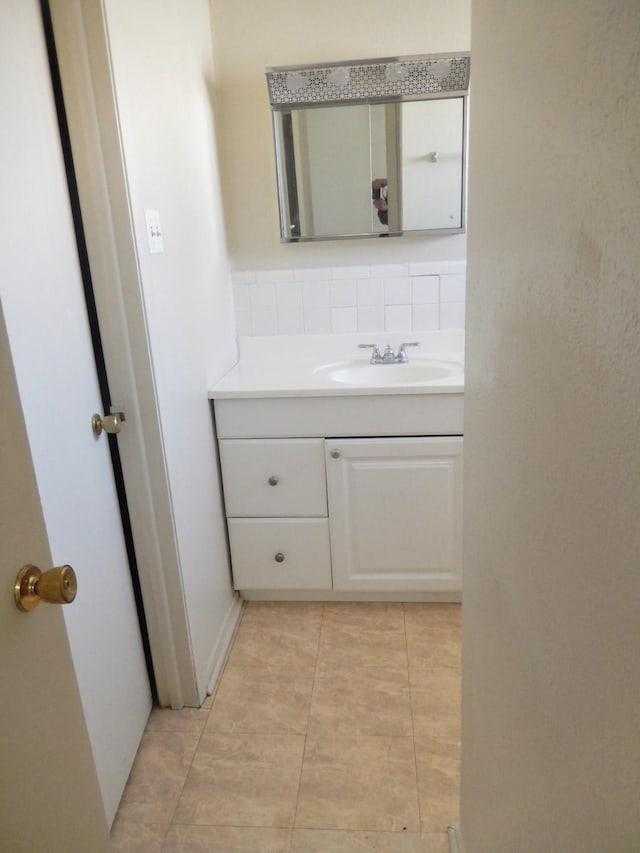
x=367, y=81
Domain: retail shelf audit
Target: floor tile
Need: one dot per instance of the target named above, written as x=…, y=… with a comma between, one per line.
x=435, y=842
x=370, y=615
x=432, y=614
x=157, y=776
x=438, y=784
x=130, y=836
x=433, y=646
x=242, y=780
x=267, y=700
x=354, y=634
x=183, y=720
x=435, y=701
x=445, y=747
x=276, y=612
x=277, y=634
x=348, y=841
x=362, y=783
x=371, y=701
x=227, y=839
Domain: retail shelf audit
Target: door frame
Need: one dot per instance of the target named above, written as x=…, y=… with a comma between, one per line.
x=82, y=42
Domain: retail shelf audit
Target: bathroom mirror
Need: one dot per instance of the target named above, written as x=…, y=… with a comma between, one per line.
x=371, y=149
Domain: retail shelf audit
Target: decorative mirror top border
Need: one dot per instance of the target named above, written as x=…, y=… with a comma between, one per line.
x=363, y=80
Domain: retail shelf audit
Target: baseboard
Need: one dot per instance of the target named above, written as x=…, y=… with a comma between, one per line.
x=219, y=653
x=454, y=833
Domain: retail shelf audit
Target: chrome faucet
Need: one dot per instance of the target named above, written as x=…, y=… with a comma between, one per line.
x=388, y=356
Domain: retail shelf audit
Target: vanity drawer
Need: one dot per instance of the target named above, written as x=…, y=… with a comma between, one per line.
x=280, y=554
x=274, y=478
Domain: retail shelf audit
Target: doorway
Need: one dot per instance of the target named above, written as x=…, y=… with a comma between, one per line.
x=94, y=328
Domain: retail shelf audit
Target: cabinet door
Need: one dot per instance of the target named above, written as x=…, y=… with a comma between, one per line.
x=395, y=513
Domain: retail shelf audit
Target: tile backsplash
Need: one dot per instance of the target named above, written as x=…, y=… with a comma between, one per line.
x=336, y=300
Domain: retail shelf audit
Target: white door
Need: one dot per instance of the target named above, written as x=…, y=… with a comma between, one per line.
x=395, y=514
x=46, y=320
x=50, y=796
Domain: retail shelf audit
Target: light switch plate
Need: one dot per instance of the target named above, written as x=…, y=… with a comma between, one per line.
x=154, y=231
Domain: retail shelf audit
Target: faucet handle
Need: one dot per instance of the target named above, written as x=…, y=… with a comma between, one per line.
x=402, y=355
x=375, y=355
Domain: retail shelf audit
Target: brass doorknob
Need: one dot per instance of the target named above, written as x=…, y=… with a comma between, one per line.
x=56, y=586
x=109, y=423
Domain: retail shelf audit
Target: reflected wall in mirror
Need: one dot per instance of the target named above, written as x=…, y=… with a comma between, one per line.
x=375, y=148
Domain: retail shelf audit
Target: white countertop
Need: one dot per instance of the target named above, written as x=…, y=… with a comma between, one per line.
x=303, y=366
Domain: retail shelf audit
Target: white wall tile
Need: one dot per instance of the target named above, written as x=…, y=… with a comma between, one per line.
x=262, y=297
x=425, y=288
x=452, y=288
x=397, y=291
x=312, y=274
x=288, y=296
x=342, y=293
x=344, y=320
x=422, y=295
x=350, y=272
x=317, y=321
x=370, y=291
x=245, y=277
x=274, y=275
x=390, y=270
x=426, y=317
x=290, y=321
x=315, y=294
x=243, y=323
x=371, y=318
x=264, y=323
x=397, y=318
x=429, y=268
x=241, y=297
x=452, y=315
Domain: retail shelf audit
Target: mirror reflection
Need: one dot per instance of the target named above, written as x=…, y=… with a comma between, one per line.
x=375, y=167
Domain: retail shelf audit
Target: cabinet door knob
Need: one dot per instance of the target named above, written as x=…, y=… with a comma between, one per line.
x=335, y=454
x=279, y=558
x=273, y=480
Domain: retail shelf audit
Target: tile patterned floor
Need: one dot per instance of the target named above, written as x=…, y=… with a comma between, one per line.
x=334, y=728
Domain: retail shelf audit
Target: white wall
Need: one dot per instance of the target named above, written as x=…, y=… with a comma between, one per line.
x=251, y=35
x=163, y=73
x=551, y=671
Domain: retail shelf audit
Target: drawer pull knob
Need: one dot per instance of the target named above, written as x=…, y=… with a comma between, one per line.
x=279, y=558
x=273, y=480
x=335, y=454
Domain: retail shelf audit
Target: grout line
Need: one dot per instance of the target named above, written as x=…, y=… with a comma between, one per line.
x=213, y=699
x=306, y=734
x=413, y=730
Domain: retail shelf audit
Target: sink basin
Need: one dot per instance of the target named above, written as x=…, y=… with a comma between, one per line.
x=358, y=372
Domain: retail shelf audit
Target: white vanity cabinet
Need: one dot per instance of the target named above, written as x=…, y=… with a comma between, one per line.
x=343, y=516
x=395, y=507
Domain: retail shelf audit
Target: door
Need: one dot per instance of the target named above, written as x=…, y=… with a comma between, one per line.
x=432, y=167
x=45, y=314
x=50, y=794
x=395, y=514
